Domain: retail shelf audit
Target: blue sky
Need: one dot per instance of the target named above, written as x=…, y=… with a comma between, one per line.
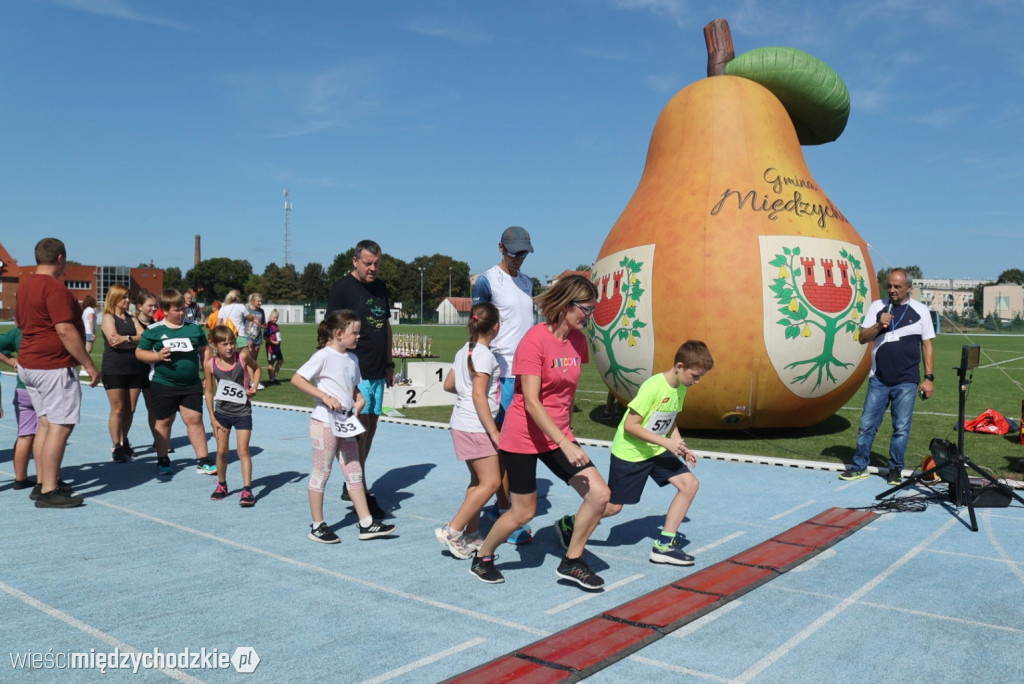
x=129, y=126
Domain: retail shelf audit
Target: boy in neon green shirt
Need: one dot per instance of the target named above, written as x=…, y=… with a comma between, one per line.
x=647, y=443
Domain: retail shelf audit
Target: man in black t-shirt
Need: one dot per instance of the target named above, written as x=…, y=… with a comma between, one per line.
x=363, y=293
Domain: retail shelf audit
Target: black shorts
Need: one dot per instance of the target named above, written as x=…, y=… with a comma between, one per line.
x=522, y=469
x=166, y=400
x=236, y=422
x=273, y=356
x=626, y=479
x=131, y=381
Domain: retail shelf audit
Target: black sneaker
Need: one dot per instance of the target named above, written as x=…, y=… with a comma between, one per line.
x=23, y=484
x=576, y=570
x=323, y=534
x=128, y=450
x=163, y=466
x=565, y=527
x=58, y=499
x=895, y=476
x=485, y=571
x=37, y=490
x=117, y=454
x=375, y=529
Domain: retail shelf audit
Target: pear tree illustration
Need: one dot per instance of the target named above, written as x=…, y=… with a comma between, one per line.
x=802, y=319
x=615, y=320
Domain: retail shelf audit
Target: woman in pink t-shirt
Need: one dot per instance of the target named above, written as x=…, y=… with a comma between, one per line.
x=537, y=427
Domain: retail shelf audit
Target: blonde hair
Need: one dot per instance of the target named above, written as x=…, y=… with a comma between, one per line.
x=252, y=299
x=115, y=293
x=565, y=291
x=482, y=317
x=232, y=297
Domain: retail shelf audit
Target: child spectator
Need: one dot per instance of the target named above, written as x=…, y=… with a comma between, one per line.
x=274, y=356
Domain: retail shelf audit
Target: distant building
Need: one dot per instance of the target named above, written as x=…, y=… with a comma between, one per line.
x=454, y=311
x=79, y=279
x=1004, y=301
x=947, y=295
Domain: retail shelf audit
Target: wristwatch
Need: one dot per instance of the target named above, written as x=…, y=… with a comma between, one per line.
x=929, y=377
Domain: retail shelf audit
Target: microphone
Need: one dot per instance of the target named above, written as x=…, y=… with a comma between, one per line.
x=888, y=306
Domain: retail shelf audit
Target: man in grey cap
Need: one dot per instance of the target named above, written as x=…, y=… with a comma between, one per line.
x=511, y=291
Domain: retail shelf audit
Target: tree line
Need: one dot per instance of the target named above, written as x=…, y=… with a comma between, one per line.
x=441, y=276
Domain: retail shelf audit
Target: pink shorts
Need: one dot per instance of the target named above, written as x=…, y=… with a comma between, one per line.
x=472, y=445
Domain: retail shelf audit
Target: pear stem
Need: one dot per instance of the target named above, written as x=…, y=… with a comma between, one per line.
x=718, y=38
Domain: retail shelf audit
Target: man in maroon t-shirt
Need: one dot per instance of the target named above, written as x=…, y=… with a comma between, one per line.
x=52, y=344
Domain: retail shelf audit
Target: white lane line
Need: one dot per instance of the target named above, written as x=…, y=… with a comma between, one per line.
x=687, y=630
x=91, y=631
x=678, y=670
x=802, y=506
x=422, y=662
x=851, y=600
x=1003, y=556
x=586, y=597
x=330, y=573
x=724, y=540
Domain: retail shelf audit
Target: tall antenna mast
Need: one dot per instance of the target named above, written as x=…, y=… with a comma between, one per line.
x=287, y=224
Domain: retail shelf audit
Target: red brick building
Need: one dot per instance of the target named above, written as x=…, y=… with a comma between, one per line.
x=80, y=280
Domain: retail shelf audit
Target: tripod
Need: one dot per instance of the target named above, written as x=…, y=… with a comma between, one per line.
x=960, y=490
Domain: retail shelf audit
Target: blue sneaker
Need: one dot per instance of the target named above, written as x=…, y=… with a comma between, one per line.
x=206, y=467
x=164, y=466
x=491, y=512
x=670, y=553
x=523, y=535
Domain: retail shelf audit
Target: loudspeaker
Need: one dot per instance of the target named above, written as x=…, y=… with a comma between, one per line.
x=944, y=453
x=983, y=494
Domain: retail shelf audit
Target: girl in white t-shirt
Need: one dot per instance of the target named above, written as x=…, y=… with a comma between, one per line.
x=331, y=376
x=474, y=378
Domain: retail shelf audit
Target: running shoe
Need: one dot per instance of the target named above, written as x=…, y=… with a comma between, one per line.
x=117, y=454
x=246, y=499
x=576, y=570
x=128, y=450
x=205, y=466
x=164, y=466
x=58, y=499
x=522, y=535
x=895, y=476
x=472, y=541
x=854, y=474
x=220, y=493
x=565, y=526
x=455, y=543
x=323, y=534
x=23, y=484
x=485, y=571
x=375, y=529
x=37, y=490
x=670, y=553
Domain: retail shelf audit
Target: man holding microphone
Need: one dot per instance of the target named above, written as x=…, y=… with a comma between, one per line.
x=901, y=331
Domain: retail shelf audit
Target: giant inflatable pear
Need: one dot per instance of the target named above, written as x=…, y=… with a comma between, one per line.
x=730, y=240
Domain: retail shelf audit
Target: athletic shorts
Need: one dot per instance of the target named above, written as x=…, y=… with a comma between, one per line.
x=508, y=386
x=236, y=422
x=124, y=382
x=522, y=469
x=627, y=478
x=273, y=356
x=166, y=400
x=56, y=393
x=373, y=393
x=472, y=445
x=28, y=423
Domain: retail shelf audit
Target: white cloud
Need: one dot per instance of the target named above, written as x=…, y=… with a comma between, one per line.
x=463, y=35
x=119, y=9
x=944, y=117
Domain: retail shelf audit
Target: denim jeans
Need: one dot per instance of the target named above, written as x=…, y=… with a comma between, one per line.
x=901, y=399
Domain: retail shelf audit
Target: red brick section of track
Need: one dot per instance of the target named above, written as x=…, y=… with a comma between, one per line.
x=585, y=648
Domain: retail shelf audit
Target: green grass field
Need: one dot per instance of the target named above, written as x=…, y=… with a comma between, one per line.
x=998, y=383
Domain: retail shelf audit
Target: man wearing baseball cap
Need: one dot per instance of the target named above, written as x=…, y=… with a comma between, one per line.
x=511, y=291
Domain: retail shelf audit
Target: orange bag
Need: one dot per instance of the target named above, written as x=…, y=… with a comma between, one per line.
x=990, y=421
